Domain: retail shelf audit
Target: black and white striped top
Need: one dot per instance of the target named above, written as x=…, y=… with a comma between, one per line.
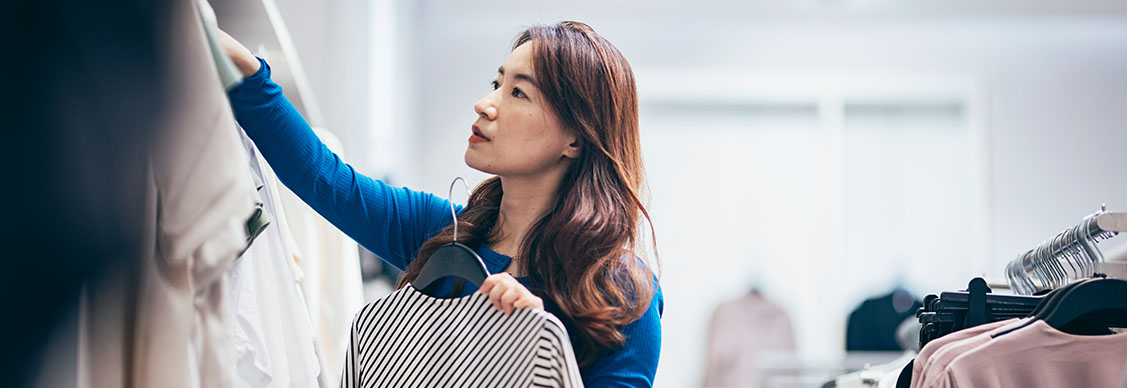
x=410, y=339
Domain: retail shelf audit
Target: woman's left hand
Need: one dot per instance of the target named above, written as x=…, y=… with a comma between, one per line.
x=507, y=293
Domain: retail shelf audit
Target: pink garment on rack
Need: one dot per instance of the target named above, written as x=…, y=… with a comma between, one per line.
x=1040, y=356
x=935, y=345
x=742, y=331
x=943, y=356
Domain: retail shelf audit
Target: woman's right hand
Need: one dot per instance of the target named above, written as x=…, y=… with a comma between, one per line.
x=244, y=60
x=508, y=294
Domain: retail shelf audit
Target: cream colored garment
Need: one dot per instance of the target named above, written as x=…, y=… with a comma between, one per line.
x=330, y=262
x=1040, y=356
x=176, y=331
x=305, y=331
x=203, y=203
x=274, y=340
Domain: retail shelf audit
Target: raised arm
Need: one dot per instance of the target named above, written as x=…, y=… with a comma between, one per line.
x=392, y=222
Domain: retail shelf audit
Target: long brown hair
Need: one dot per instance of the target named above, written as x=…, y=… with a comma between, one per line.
x=581, y=253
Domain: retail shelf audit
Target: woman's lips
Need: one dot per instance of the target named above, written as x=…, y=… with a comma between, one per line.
x=477, y=136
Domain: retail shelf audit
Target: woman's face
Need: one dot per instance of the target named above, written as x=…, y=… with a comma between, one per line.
x=516, y=132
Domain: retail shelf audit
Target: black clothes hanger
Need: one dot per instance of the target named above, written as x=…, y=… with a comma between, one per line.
x=1048, y=303
x=1089, y=312
x=954, y=311
x=1054, y=297
x=977, y=313
x=453, y=259
x=1105, y=300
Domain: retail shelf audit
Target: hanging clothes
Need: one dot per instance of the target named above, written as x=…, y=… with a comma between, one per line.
x=1068, y=338
x=258, y=220
x=1038, y=355
x=330, y=262
x=229, y=75
x=742, y=330
x=410, y=339
x=935, y=348
x=943, y=356
x=872, y=326
x=170, y=328
x=274, y=343
x=876, y=376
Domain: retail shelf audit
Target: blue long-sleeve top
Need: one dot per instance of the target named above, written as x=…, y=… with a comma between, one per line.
x=393, y=222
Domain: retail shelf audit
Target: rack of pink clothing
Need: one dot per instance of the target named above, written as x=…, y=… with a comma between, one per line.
x=1065, y=328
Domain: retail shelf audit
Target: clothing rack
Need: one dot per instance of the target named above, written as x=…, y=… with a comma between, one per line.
x=1071, y=255
x=259, y=25
x=952, y=311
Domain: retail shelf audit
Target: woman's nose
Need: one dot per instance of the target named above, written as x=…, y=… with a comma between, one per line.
x=484, y=107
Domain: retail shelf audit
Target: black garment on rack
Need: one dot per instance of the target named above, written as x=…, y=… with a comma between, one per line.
x=872, y=326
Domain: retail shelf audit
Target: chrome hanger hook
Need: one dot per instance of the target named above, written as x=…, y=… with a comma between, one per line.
x=1090, y=242
x=450, y=197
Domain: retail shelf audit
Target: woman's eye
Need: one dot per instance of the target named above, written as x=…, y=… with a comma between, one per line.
x=495, y=85
x=517, y=93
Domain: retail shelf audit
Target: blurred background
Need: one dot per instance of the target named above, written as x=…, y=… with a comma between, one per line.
x=820, y=152
x=802, y=157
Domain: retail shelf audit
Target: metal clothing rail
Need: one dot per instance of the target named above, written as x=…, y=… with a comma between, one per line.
x=1071, y=255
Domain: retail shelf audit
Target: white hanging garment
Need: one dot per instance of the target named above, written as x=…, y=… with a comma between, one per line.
x=330, y=261
x=410, y=339
x=274, y=343
x=294, y=253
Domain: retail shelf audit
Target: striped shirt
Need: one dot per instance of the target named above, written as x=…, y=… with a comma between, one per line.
x=410, y=339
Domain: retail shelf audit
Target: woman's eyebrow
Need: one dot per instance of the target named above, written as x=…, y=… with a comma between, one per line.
x=518, y=76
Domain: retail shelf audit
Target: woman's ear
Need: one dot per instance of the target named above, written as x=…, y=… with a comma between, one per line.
x=573, y=149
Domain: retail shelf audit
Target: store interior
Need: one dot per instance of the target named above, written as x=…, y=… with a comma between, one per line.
x=814, y=170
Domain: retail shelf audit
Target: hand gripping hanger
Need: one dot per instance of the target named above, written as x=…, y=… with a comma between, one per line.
x=453, y=259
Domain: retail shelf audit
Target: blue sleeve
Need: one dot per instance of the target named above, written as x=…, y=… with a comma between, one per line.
x=392, y=222
x=635, y=363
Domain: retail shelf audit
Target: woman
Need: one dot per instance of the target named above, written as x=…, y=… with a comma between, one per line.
x=557, y=225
